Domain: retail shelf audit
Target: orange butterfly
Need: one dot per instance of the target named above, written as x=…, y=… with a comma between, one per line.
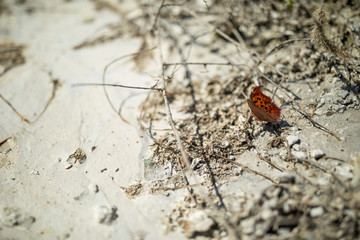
x=262, y=107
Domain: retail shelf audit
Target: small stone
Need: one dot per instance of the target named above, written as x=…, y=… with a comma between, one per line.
x=199, y=221
x=321, y=111
x=321, y=102
x=344, y=172
x=292, y=139
x=105, y=215
x=35, y=172
x=67, y=165
x=64, y=236
x=342, y=93
x=195, y=162
x=350, y=213
x=336, y=79
x=297, y=147
x=317, y=153
x=248, y=226
x=273, y=151
x=316, y=212
x=294, y=129
x=241, y=119
x=93, y=188
x=289, y=206
x=323, y=181
x=266, y=214
x=299, y=155
x=287, y=178
x=225, y=144
x=339, y=108
x=271, y=203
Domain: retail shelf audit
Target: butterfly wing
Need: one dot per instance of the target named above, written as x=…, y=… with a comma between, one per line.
x=259, y=98
x=261, y=115
x=262, y=107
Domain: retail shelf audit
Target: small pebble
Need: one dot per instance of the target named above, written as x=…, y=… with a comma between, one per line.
x=323, y=181
x=344, y=172
x=67, y=165
x=289, y=205
x=299, y=155
x=292, y=139
x=317, y=153
x=287, y=178
x=93, y=188
x=105, y=215
x=195, y=162
x=266, y=214
x=34, y=172
x=297, y=147
x=350, y=213
x=316, y=211
x=225, y=144
x=248, y=225
x=199, y=222
x=339, y=108
x=342, y=93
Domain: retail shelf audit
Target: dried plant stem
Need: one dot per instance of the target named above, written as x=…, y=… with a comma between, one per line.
x=256, y=172
x=319, y=35
x=55, y=86
x=117, y=85
x=15, y=111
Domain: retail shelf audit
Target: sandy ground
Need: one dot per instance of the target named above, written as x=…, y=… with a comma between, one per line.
x=40, y=198
x=72, y=169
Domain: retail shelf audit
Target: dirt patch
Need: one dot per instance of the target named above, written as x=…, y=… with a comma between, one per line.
x=311, y=76
x=11, y=55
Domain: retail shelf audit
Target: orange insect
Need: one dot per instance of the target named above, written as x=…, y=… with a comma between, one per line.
x=262, y=107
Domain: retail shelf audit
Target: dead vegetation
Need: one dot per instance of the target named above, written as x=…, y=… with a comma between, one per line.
x=238, y=45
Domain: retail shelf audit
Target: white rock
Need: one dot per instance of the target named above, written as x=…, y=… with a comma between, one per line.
x=104, y=214
x=317, y=153
x=241, y=119
x=248, y=226
x=316, y=212
x=292, y=139
x=199, y=221
x=339, y=108
x=323, y=181
x=342, y=93
x=344, y=172
x=266, y=214
x=289, y=206
x=299, y=155
x=225, y=144
x=294, y=129
x=34, y=172
x=93, y=188
x=297, y=147
x=67, y=165
x=350, y=213
x=195, y=162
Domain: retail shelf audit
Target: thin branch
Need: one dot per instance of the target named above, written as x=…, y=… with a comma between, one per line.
x=111, y=63
x=116, y=85
x=157, y=18
x=256, y=172
x=17, y=113
x=55, y=87
x=186, y=160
